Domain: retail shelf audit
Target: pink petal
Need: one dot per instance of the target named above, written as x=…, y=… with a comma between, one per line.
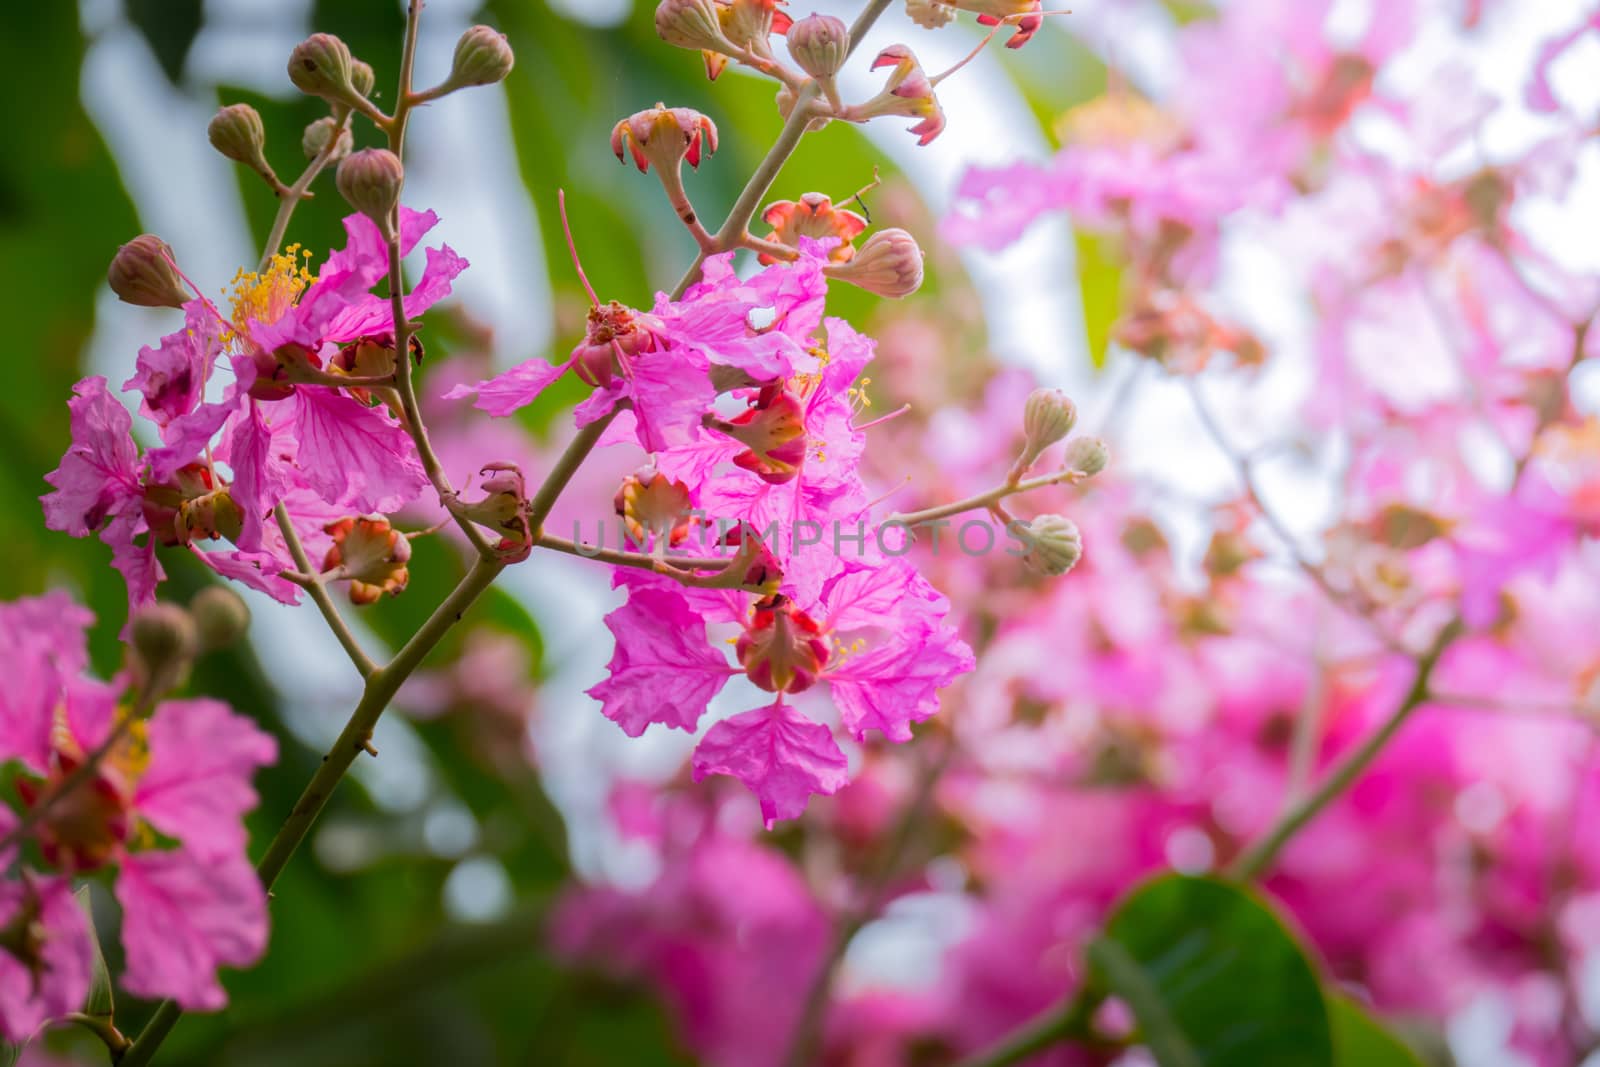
x=779, y=754
x=182, y=918
x=197, y=785
x=99, y=475
x=664, y=669
x=516, y=388
x=69, y=958
x=355, y=455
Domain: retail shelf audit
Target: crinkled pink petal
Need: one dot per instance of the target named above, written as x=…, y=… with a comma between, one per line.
x=670, y=394
x=258, y=570
x=182, y=918
x=355, y=455
x=664, y=668
x=135, y=560
x=780, y=755
x=27, y=1001
x=896, y=682
x=260, y=475
x=196, y=787
x=172, y=376
x=99, y=474
x=516, y=388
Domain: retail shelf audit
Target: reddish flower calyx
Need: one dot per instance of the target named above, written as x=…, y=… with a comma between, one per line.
x=371, y=555
x=773, y=431
x=782, y=649
x=664, y=136
x=653, y=506
x=613, y=329
x=814, y=216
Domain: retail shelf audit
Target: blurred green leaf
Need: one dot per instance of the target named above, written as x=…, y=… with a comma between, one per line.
x=1361, y=1041
x=1100, y=280
x=1213, y=977
x=170, y=26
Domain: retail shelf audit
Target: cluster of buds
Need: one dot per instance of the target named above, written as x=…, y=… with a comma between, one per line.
x=1048, y=416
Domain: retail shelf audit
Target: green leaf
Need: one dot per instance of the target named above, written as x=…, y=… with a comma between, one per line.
x=100, y=1003
x=1213, y=978
x=1100, y=278
x=1362, y=1041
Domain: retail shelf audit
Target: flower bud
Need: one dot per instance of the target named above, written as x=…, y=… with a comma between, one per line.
x=315, y=140
x=362, y=79
x=1054, y=544
x=663, y=136
x=930, y=14
x=1087, y=456
x=695, y=24
x=143, y=272
x=1047, y=417
x=162, y=644
x=908, y=92
x=371, y=180
x=321, y=65
x=221, y=616
x=236, y=131
x=889, y=264
x=483, y=57
x=819, y=43
x=370, y=554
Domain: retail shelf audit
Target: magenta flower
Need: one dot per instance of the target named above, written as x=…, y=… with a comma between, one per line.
x=182, y=776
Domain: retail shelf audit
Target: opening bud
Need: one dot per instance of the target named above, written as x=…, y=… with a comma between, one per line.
x=221, y=617
x=1054, y=544
x=483, y=57
x=1087, y=456
x=371, y=554
x=315, y=140
x=663, y=136
x=371, y=180
x=889, y=264
x=504, y=507
x=144, y=272
x=321, y=65
x=236, y=131
x=162, y=643
x=819, y=43
x=692, y=24
x=908, y=92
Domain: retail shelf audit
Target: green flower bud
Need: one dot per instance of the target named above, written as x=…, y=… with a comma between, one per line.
x=1087, y=456
x=321, y=65
x=317, y=135
x=371, y=180
x=221, y=616
x=143, y=273
x=1054, y=544
x=483, y=57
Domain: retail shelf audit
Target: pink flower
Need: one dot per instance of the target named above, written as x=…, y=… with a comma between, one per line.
x=52, y=977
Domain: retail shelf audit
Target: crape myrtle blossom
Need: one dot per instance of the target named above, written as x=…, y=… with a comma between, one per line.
x=284, y=431
x=161, y=811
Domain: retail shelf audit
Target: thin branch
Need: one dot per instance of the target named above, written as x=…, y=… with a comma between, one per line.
x=1255, y=861
x=639, y=560
x=988, y=498
x=312, y=584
